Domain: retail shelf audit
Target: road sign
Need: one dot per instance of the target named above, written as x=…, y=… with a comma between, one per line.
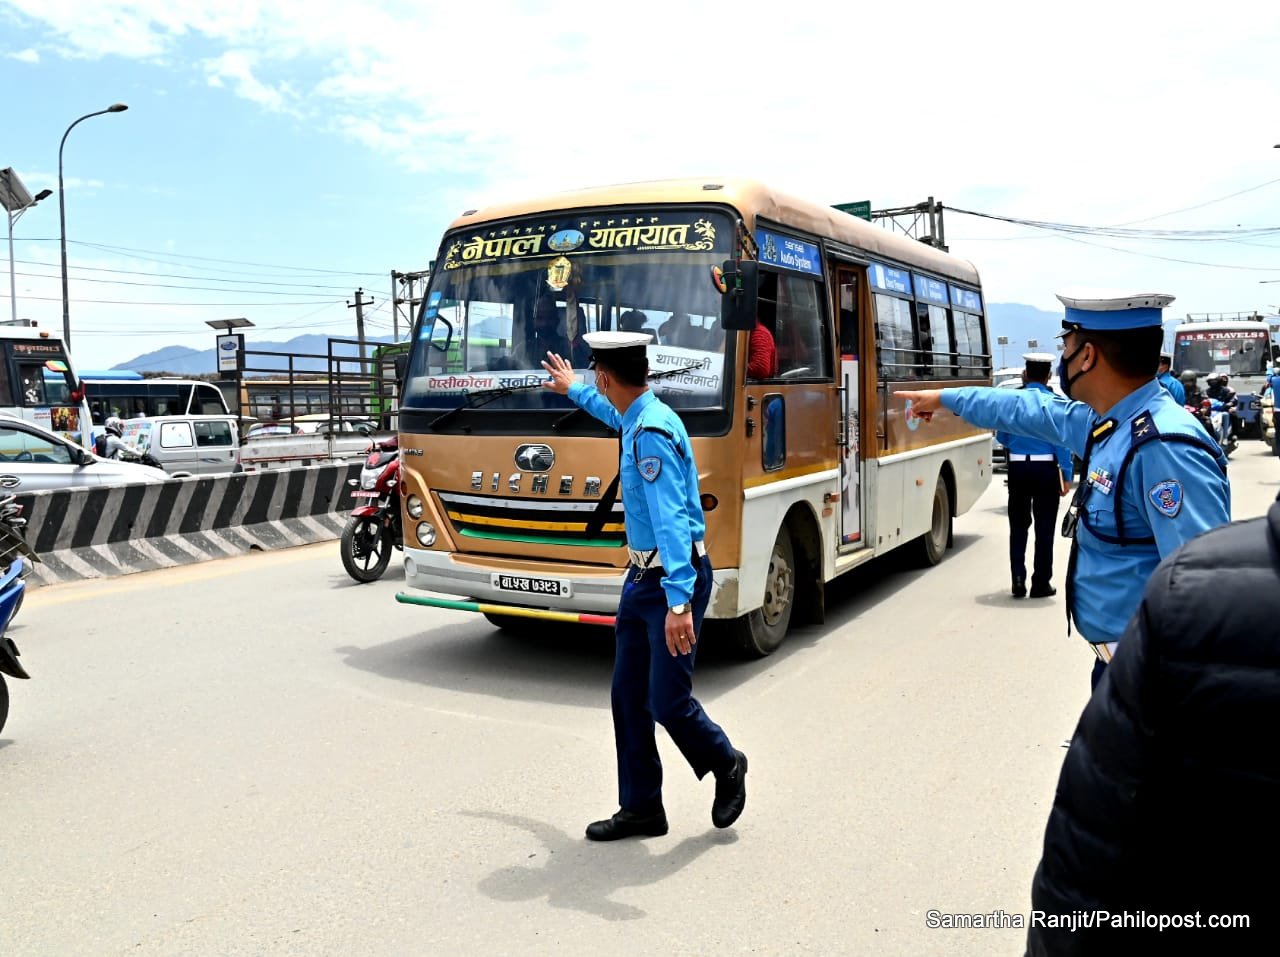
x=1032, y=343
x=1002, y=340
x=861, y=209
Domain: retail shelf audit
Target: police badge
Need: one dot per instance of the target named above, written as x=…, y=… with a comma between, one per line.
x=1167, y=497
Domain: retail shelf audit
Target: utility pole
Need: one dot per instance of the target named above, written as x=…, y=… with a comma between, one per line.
x=409, y=296
x=358, y=306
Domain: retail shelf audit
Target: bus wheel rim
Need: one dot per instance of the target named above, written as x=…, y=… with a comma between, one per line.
x=777, y=590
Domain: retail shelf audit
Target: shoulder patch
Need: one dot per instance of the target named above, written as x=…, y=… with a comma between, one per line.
x=650, y=467
x=1167, y=497
x=1143, y=426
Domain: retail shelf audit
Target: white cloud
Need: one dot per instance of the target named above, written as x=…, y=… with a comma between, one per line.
x=29, y=55
x=1093, y=113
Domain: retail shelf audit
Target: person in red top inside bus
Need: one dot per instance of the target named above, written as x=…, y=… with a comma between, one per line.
x=762, y=354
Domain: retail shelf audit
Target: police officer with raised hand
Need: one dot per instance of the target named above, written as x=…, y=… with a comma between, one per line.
x=664, y=596
x=1152, y=479
x=1039, y=477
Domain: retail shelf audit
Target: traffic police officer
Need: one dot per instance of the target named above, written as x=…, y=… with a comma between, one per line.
x=1039, y=476
x=664, y=595
x=1274, y=383
x=1172, y=385
x=1151, y=479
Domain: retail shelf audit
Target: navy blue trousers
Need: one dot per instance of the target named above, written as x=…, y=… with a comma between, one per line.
x=649, y=685
x=1035, y=491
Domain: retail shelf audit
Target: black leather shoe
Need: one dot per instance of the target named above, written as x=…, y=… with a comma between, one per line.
x=1043, y=591
x=731, y=793
x=1019, y=588
x=625, y=824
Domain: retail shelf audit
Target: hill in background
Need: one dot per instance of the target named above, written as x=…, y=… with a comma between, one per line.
x=1019, y=323
x=182, y=360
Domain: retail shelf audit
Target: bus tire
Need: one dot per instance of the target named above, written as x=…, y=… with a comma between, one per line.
x=928, y=549
x=760, y=632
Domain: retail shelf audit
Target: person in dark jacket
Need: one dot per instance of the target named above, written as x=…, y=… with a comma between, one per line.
x=1168, y=798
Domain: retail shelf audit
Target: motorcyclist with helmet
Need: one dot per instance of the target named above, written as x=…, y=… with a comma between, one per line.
x=111, y=444
x=1224, y=402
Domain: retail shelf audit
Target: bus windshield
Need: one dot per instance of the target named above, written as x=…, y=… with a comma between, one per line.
x=1235, y=352
x=511, y=292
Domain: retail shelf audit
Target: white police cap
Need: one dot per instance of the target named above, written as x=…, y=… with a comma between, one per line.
x=1041, y=357
x=619, y=346
x=605, y=341
x=1106, y=310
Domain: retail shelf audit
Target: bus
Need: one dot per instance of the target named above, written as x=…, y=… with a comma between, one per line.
x=804, y=476
x=1240, y=347
x=137, y=397
x=38, y=382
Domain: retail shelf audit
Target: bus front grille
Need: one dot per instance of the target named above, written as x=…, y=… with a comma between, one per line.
x=496, y=518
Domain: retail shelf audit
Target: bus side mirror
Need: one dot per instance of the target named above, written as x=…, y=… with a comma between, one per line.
x=402, y=367
x=739, y=284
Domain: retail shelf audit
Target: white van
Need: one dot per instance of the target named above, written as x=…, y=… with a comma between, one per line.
x=188, y=444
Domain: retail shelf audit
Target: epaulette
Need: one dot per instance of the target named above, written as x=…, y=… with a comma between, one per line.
x=1103, y=429
x=1143, y=428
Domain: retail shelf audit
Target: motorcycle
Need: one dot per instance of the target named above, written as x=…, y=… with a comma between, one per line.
x=374, y=527
x=1210, y=413
x=16, y=553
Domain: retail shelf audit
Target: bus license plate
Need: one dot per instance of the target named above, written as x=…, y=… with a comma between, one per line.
x=527, y=585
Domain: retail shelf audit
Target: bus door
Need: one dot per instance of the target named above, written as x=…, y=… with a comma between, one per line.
x=847, y=279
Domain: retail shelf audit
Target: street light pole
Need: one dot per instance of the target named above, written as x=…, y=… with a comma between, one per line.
x=62, y=219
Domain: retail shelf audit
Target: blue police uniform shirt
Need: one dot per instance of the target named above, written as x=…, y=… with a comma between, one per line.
x=659, y=480
x=1025, y=445
x=1173, y=387
x=1274, y=382
x=1172, y=491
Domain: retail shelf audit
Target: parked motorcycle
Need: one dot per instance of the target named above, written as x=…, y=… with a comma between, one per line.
x=374, y=527
x=14, y=554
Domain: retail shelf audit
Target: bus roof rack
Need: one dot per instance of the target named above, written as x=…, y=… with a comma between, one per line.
x=1224, y=317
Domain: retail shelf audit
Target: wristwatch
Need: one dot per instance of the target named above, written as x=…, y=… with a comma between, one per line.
x=680, y=609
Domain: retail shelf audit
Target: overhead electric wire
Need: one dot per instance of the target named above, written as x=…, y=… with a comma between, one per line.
x=167, y=256
x=164, y=285
x=163, y=275
x=1187, y=209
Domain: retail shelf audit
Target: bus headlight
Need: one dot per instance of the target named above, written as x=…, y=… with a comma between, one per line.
x=413, y=505
x=426, y=534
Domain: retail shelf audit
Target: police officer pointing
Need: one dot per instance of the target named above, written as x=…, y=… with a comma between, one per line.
x=664, y=596
x=1152, y=479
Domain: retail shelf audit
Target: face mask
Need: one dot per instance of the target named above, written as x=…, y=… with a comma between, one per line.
x=1067, y=382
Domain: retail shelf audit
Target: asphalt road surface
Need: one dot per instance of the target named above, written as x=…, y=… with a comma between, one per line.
x=256, y=756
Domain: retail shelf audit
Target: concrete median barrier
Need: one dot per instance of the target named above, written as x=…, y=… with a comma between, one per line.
x=116, y=530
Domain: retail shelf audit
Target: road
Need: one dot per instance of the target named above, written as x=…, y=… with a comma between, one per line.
x=256, y=756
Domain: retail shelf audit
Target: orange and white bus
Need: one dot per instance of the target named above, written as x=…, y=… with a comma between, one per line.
x=804, y=475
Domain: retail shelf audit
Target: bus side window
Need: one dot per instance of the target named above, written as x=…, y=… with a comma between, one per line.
x=31, y=382
x=895, y=338
x=801, y=335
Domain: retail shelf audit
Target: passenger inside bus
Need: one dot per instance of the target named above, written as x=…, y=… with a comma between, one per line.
x=762, y=353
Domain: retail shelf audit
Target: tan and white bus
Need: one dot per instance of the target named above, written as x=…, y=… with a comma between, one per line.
x=805, y=474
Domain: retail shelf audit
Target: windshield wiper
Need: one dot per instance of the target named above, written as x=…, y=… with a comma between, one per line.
x=667, y=372
x=475, y=400
x=555, y=426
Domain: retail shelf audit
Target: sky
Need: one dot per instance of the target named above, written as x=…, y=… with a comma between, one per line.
x=277, y=156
